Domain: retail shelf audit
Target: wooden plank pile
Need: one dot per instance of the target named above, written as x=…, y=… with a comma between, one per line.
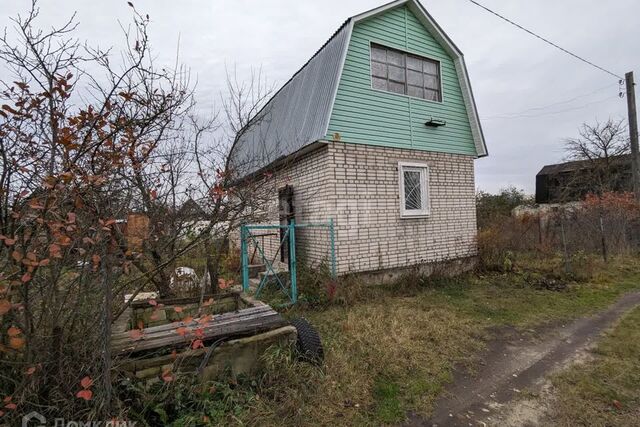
x=255, y=319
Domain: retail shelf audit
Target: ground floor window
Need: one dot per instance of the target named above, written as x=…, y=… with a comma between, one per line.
x=414, y=189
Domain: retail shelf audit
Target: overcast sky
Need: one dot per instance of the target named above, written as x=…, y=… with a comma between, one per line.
x=529, y=95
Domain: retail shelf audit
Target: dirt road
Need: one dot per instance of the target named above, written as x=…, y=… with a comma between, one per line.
x=516, y=362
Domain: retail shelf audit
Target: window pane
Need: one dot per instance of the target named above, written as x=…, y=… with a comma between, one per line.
x=378, y=54
x=414, y=78
x=416, y=91
x=431, y=82
x=404, y=73
x=378, y=69
x=396, y=87
x=430, y=67
x=412, y=191
x=432, y=95
x=395, y=58
x=379, y=83
x=396, y=74
x=414, y=63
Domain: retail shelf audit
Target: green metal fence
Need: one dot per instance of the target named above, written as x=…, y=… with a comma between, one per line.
x=250, y=235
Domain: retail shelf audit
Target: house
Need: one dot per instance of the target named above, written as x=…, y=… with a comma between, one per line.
x=572, y=181
x=378, y=131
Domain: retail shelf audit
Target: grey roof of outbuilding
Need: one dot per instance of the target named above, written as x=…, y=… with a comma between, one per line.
x=575, y=165
x=298, y=114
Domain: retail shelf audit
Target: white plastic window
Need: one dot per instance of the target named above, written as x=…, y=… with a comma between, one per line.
x=414, y=189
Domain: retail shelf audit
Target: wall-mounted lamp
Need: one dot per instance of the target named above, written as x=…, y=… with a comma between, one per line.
x=435, y=122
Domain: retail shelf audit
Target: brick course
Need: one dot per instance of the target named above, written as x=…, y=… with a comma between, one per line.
x=357, y=186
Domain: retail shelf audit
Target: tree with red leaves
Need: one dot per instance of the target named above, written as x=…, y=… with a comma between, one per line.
x=78, y=129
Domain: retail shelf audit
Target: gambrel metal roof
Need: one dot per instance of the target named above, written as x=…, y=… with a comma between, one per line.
x=299, y=113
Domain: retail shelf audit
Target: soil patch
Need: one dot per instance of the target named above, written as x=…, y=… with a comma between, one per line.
x=515, y=363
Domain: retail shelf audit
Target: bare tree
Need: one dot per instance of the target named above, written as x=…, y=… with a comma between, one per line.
x=601, y=167
x=85, y=140
x=228, y=199
x=76, y=132
x=600, y=148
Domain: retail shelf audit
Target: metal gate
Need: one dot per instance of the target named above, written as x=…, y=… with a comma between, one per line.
x=250, y=235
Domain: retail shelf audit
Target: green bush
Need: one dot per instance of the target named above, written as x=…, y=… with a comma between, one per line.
x=491, y=208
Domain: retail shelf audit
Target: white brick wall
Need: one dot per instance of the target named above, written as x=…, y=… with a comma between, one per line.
x=357, y=186
x=371, y=235
x=310, y=177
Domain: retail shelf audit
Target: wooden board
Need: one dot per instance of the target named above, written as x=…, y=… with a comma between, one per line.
x=217, y=319
x=241, y=323
x=186, y=300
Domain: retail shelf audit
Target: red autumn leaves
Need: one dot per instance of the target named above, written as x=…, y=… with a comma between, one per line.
x=16, y=341
x=5, y=306
x=166, y=375
x=136, y=334
x=40, y=254
x=8, y=404
x=8, y=241
x=198, y=333
x=224, y=284
x=85, y=393
x=189, y=328
x=30, y=259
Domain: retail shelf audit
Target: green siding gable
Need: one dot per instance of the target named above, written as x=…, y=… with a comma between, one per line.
x=364, y=115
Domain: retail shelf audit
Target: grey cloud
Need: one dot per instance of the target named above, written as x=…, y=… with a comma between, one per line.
x=510, y=70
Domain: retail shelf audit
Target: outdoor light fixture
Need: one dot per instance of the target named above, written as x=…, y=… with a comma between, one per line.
x=435, y=122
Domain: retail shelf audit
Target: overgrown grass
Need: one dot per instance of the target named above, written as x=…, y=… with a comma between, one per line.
x=382, y=358
x=605, y=392
x=517, y=299
x=391, y=349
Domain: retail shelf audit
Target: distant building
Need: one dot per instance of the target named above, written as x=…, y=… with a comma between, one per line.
x=572, y=181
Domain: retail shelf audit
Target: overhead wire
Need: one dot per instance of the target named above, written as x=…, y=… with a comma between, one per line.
x=544, y=107
x=586, y=61
x=552, y=112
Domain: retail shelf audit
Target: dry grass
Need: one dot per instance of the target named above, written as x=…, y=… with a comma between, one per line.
x=606, y=392
x=382, y=359
x=391, y=349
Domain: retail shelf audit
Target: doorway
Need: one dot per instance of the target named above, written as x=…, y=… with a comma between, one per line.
x=286, y=209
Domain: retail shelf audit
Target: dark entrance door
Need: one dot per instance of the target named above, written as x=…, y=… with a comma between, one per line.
x=287, y=214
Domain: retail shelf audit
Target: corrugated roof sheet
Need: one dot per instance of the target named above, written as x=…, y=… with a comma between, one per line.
x=298, y=114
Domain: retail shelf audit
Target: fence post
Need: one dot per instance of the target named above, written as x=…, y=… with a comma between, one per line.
x=245, y=258
x=603, y=240
x=292, y=261
x=567, y=263
x=540, y=229
x=333, y=249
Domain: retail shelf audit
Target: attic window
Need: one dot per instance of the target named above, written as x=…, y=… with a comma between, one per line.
x=400, y=72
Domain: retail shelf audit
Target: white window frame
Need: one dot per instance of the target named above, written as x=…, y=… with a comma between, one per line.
x=423, y=168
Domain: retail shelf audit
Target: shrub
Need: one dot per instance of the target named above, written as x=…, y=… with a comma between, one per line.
x=491, y=208
x=497, y=244
x=316, y=287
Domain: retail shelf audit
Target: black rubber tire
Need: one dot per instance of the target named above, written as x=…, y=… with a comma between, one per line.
x=308, y=344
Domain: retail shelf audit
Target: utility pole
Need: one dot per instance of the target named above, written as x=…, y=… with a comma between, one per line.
x=633, y=133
